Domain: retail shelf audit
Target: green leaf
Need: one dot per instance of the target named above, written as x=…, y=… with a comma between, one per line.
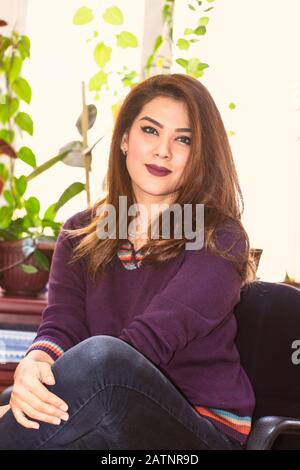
x=15, y=69
x=26, y=155
x=7, y=110
x=69, y=193
x=6, y=214
x=50, y=213
x=28, y=268
x=166, y=12
x=5, y=43
x=200, y=31
x=32, y=205
x=102, y=54
x=41, y=260
x=126, y=39
x=188, y=31
x=22, y=88
x=158, y=42
x=7, y=135
x=8, y=197
x=27, y=222
x=24, y=121
x=191, y=7
x=20, y=185
x=203, y=21
x=127, y=80
x=7, y=235
x=149, y=62
x=50, y=223
x=195, y=67
x=182, y=62
x=16, y=228
x=83, y=15
x=3, y=172
x=98, y=81
x=113, y=15
x=4, y=113
x=183, y=44
x=24, y=46
x=14, y=106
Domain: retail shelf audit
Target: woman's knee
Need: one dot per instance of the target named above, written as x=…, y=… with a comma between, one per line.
x=102, y=352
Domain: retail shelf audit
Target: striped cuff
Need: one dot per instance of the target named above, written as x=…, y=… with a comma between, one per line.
x=47, y=345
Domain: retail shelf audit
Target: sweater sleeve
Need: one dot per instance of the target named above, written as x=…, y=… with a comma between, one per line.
x=196, y=300
x=63, y=321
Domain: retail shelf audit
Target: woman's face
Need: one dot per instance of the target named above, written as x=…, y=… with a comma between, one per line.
x=158, y=143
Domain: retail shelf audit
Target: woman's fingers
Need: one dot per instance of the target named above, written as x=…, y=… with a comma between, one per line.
x=34, y=414
x=39, y=390
x=45, y=373
x=24, y=395
x=21, y=419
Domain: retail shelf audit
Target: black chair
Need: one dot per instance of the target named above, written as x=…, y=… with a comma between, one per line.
x=268, y=339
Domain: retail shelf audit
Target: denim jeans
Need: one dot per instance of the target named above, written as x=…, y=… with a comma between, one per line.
x=117, y=400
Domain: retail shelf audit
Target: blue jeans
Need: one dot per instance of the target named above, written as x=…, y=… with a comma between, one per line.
x=117, y=400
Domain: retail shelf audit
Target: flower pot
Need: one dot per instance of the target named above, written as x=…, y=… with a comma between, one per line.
x=13, y=280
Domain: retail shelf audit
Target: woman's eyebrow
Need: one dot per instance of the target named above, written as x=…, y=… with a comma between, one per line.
x=179, y=129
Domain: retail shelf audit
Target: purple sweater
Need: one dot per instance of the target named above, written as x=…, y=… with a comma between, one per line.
x=179, y=315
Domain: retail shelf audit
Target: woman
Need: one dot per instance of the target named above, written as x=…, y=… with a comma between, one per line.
x=136, y=347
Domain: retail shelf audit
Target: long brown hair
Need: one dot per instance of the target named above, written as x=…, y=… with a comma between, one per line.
x=209, y=178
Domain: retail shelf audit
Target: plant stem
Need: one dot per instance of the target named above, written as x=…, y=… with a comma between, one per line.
x=87, y=159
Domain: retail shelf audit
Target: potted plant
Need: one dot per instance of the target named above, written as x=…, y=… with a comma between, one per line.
x=27, y=238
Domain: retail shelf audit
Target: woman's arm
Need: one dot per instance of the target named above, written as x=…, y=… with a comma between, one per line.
x=64, y=318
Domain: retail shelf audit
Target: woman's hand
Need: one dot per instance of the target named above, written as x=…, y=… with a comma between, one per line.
x=31, y=398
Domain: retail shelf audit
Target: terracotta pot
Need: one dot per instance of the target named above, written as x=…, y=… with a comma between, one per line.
x=13, y=280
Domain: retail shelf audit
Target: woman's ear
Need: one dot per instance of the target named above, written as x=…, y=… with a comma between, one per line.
x=124, y=142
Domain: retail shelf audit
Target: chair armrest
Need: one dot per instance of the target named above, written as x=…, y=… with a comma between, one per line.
x=268, y=428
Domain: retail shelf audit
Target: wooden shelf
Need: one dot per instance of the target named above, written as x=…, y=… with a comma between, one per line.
x=18, y=313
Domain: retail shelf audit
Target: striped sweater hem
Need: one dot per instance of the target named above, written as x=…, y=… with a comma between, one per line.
x=236, y=427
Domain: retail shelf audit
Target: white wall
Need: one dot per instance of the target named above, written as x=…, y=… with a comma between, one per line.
x=14, y=13
x=251, y=48
x=60, y=59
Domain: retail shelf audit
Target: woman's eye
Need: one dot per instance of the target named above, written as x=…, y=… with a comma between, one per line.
x=148, y=127
x=187, y=141
x=144, y=129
